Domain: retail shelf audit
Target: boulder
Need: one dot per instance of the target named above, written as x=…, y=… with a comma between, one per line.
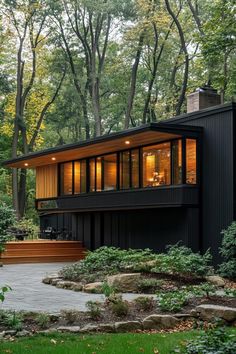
x=93, y=287
x=89, y=328
x=127, y=282
x=54, y=281
x=127, y=326
x=159, y=321
x=209, y=312
x=77, y=287
x=70, y=329
x=23, y=333
x=65, y=284
x=215, y=280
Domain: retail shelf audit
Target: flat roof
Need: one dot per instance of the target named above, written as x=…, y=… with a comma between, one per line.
x=143, y=135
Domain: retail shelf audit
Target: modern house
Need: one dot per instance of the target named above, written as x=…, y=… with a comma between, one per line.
x=145, y=187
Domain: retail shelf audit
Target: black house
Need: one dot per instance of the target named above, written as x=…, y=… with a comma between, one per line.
x=144, y=187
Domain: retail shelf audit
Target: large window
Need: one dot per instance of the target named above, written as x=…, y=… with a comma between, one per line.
x=156, y=165
x=150, y=166
x=66, y=178
x=191, y=161
x=110, y=172
x=177, y=162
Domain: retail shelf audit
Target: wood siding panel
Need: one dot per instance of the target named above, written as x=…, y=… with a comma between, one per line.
x=46, y=181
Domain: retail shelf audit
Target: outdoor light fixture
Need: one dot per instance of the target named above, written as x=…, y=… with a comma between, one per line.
x=53, y=159
x=127, y=142
x=26, y=164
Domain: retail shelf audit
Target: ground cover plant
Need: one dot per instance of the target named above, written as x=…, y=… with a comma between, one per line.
x=178, y=260
x=228, y=252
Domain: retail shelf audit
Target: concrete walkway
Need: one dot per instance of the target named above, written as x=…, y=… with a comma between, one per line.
x=30, y=294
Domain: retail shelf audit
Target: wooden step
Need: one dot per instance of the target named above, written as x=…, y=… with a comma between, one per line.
x=42, y=251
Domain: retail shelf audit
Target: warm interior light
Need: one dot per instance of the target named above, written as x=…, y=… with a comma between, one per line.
x=127, y=142
x=53, y=159
x=26, y=164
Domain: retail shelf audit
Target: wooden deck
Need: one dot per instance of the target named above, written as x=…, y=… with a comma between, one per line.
x=42, y=251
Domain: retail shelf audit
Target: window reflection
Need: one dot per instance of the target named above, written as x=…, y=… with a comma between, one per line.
x=135, y=168
x=110, y=172
x=191, y=161
x=79, y=176
x=125, y=170
x=66, y=178
x=156, y=165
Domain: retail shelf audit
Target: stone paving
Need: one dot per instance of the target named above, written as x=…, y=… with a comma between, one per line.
x=30, y=294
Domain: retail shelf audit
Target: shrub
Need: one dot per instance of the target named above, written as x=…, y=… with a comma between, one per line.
x=173, y=301
x=7, y=219
x=43, y=320
x=94, y=309
x=107, y=290
x=216, y=340
x=13, y=320
x=145, y=303
x=119, y=308
x=70, y=316
x=27, y=225
x=181, y=260
x=228, y=252
x=149, y=285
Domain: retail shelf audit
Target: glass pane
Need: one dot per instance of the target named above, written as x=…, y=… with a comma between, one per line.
x=135, y=168
x=98, y=174
x=124, y=170
x=110, y=179
x=66, y=178
x=92, y=175
x=177, y=162
x=156, y=165
x=77, y=177
x=191, y=161
x=83, y=176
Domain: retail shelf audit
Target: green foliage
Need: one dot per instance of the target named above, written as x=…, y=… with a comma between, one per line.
x=108, y=290
x=27, y=225
x=119, y=308
x=228, y=252
x=13, y=320
x=145, y=303
x=217, y=340
x=149, y=285
x=3, y=291
x=173, y=301
x=7, y=219
x=43, y=320
x=94, y=309
x=181, y=260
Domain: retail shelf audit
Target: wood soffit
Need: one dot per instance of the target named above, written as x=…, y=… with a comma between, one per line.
x=98, y=146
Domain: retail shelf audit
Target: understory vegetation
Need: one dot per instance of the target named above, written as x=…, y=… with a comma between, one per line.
x=178, y=261
x=228, y=252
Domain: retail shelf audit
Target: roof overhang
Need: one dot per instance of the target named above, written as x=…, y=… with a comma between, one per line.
x=144, y=135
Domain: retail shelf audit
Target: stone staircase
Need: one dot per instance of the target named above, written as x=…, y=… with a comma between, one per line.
x=42, y=251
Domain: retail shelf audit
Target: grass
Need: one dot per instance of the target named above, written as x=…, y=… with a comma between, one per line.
x=128, y=343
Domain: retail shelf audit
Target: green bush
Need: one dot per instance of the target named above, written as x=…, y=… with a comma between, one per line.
x=228, y=252
x=43, y=320
x=70, y=316
x=213, y=341
x=119, y=308
x=181, y=260
x=94, y=309
x=27, y=225
x=13, y=320
x=173, y=301
x=7, y=219
x=3, y=291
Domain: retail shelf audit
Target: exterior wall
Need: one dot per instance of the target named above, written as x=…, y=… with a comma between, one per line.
x=46, y=181
x=218, y=173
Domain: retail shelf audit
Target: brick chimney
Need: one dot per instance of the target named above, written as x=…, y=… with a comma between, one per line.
x=203, y=97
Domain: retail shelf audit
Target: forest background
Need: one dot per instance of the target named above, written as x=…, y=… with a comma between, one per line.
x=75, y=69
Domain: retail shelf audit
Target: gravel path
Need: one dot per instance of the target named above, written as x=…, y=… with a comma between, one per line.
x=30, y=294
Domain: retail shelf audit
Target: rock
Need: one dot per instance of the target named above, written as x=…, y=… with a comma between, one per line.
x=54, y=281
x=159, y=321
x=89, y=328
x=70, y=329
x=23, y=333
x=46, y=280
x=215, y=280
x=127, y=326
x=182, y=315
x=2, y=334
x=10, y=332
x=77, y=287
x=106, y=327
x=208, y=312
x=65, y=284
x=194, y=313
x=93, y=287
x=127, y=282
